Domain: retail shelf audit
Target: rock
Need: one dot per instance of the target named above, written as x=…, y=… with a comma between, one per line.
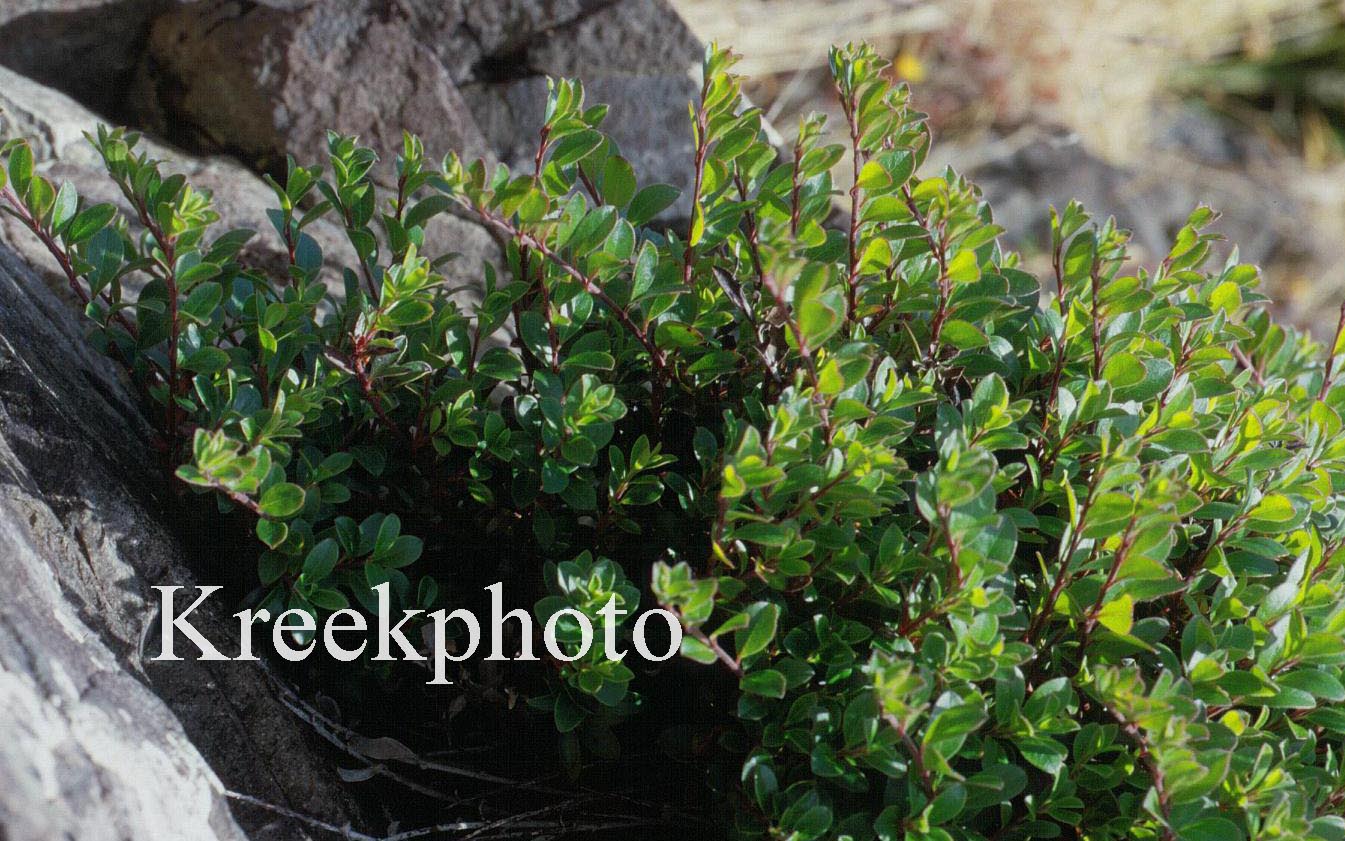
x=87, y=526
x=482, y=40
x=652, y=134
x=1047, y=170
x=636, y=56
x=618, y=39
x=55, y=124
x=86, y=750
x=261, y=81
x=87, y=48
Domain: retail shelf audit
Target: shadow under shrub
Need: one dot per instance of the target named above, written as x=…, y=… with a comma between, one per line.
x=963, y=555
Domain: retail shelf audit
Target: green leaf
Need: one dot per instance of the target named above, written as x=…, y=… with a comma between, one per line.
x=877, y=256
x=321, y=560
x=500, y=364
x=575, y=147
x=694, y=649
x=272, y=532
x=426, y=209
x=872, y=176
x=410, y=311
x=198, y=273
x=760, y=630
x=1319, y=683
x=405, y=550
x=282, y=500
x=642, y=278
x=767, y=683
x=271, y=565
x=963, y=335
x=566, y=714
x=21, y=168
x=1227, y=296
x=1118, y=615
x=389, y=528
x=39, y=196
x=1044, y=753
x=697, y=225
x=201, y=303
x=206, y=360
x=1273, y=511
x=954, y=724
x=650, y=202
x=947, y=805
x=819, y=307
x=618, y=182
x=329, y=600
x=963, y=267
x=592, y=360
x=1108, y=514
x=1330, y=718
x=1123, y=370
x=1211, y=829
x=621, y=241
x=88, y=222
x=63, y=210
x=674, y=334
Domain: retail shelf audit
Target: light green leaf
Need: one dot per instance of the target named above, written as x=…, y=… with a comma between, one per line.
x=1118, y=615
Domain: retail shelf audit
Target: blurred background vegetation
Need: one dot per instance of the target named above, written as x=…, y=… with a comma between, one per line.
x=1140, y=108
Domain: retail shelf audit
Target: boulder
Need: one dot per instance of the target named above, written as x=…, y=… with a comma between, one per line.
x=55, y=125
x=98, y=740
x=86, y=750
x=264, y=79
x=636, y=56
x=1051, y=169
x=87, y=48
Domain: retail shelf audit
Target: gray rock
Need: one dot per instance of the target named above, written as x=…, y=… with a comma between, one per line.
x=1153, y=204
x=87, y=527
x=87, y=48
x=264, y=79
x=652, y=133
x=636, y=56
x=482, y=40
x=618, y=39
x=261, y=81
x=86, y=750
x=55, y=124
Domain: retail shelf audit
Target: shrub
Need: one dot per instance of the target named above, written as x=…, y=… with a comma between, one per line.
x=984, y=558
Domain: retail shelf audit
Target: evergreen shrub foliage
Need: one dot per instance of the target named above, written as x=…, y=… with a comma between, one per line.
x=974, y=555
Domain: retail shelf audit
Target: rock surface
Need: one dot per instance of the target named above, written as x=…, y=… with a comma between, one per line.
x=264, y=79
x=636, y=56
x=55, y=124
x=88, y=48
x=261, y=82
x=87, y=527
x=86, y=750
x=1050, y=171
